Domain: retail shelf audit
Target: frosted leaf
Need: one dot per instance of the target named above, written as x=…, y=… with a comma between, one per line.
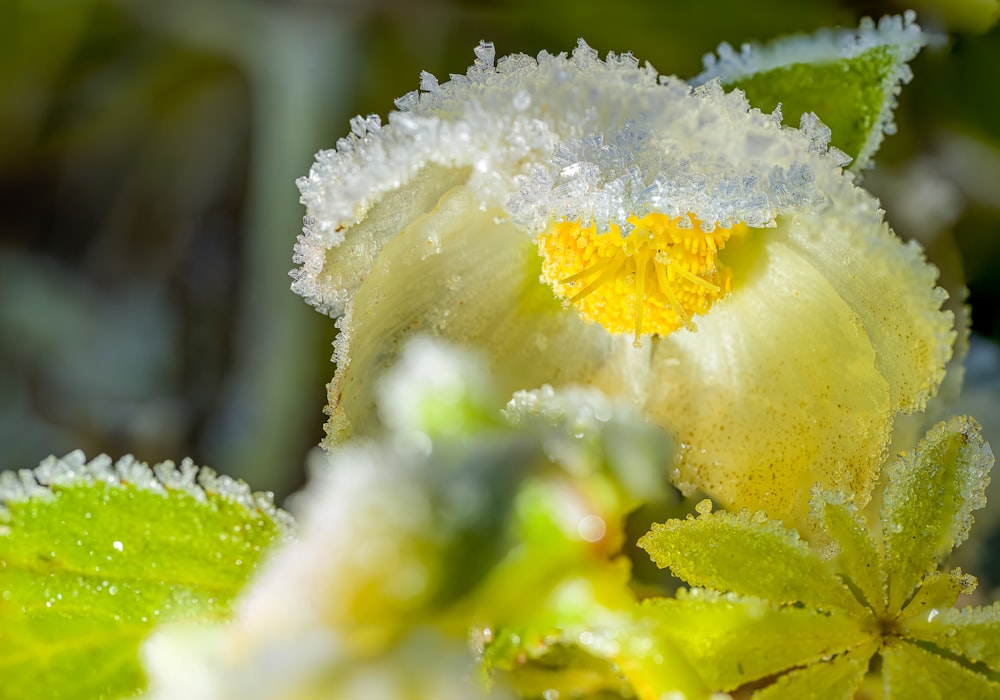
x=849, y=77
x=94, y=554
x=928, y=503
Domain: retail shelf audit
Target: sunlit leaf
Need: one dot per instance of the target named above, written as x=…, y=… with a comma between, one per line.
x=849, y=78
x=746, y=554
x=927, y=505
x=909, y=671
x=973, y=632
x=856, y=556
x=836, y=679
x=93, y=555
x=732, y=640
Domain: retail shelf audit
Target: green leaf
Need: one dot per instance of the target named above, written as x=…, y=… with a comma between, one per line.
x=856, y=556
x=837, y=678
x=848, y=78
x=927, y=505
x=747, y=554
x=973, y=632
x=939, y=589
x=93, y=555
x=733, y=640
x=909, y=671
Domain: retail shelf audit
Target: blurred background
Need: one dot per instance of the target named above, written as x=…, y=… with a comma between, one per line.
x=148, y=156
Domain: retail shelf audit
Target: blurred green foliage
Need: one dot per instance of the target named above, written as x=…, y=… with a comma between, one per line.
x=147, y=205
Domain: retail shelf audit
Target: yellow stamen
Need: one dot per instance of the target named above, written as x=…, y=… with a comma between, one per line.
x=607, y=276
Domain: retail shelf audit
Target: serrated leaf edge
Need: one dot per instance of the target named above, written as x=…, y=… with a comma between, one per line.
x=74, y=469
x=828, y=45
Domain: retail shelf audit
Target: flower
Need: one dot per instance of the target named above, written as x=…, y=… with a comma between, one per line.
x=798, y=620
x=588, y=221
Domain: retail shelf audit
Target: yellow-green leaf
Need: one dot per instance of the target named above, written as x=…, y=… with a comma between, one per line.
x=973, y=632
x=732, y=640
x=856, y=556
x=93, y=555
x=909, y=671
x=927, y=505
x=834, y=679
x=849, y=78
x=749, y=555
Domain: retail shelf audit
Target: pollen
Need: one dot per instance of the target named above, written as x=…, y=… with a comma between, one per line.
x=651, y=281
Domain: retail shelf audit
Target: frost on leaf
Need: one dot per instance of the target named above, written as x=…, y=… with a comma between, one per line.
x=774, y=624
x=849, y=78
x=94, y=554
x=927, y=505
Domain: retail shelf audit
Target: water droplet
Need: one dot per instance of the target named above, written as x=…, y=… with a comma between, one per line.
x=112, y=590
x=591, y=528
x=118, y=545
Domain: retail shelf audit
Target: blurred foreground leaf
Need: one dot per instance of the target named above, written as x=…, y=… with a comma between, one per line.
x=93, y=555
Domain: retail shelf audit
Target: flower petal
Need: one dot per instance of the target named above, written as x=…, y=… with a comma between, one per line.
x=460, y=274
x=834, y=326
x=777, y=390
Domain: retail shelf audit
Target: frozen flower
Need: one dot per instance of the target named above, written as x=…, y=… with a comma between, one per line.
x=589, y=221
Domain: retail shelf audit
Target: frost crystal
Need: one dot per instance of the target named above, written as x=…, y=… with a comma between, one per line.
x=74, y=469
x=541, y=140
x=899, y=36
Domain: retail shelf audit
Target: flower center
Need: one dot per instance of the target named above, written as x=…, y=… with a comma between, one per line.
x=652, y=281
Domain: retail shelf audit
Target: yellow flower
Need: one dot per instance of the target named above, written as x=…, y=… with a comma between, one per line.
x=589, y=221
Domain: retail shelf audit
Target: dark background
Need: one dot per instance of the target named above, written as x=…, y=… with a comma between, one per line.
x=148, y=152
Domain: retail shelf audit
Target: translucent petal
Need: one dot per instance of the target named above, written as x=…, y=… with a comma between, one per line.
x=909, y=671
x=927, y=505
x=833, y=679
x=732, y=640
x=749, y=555
x=545, y=139
x=973, y=633
x=887, y=284
x=855, y=555
x=777, y=390
x=467, y=276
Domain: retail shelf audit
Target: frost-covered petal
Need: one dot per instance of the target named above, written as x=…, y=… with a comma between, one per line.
x=459, y=274
x=427, y=225
x=834, y=326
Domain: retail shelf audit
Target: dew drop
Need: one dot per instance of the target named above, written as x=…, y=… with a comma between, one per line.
x=118, y=546
x=591, y=528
